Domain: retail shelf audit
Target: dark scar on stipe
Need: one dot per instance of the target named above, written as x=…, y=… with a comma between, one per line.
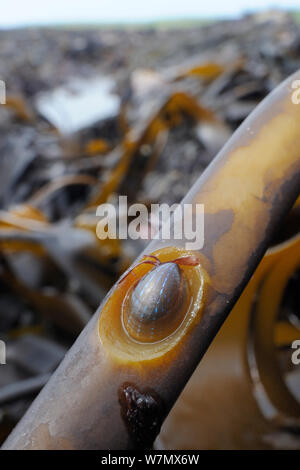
x=142, y=412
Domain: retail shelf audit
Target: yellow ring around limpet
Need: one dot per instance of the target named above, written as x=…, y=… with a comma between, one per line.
x=116, y=340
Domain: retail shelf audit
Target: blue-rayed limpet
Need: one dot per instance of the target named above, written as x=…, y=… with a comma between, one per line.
x=156, y=305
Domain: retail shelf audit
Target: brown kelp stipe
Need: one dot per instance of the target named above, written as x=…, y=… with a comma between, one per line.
x=125, y=371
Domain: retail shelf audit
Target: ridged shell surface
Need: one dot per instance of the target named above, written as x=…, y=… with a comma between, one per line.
x=154, y=307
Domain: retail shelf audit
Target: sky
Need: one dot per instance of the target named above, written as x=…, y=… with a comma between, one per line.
x=37, y=12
